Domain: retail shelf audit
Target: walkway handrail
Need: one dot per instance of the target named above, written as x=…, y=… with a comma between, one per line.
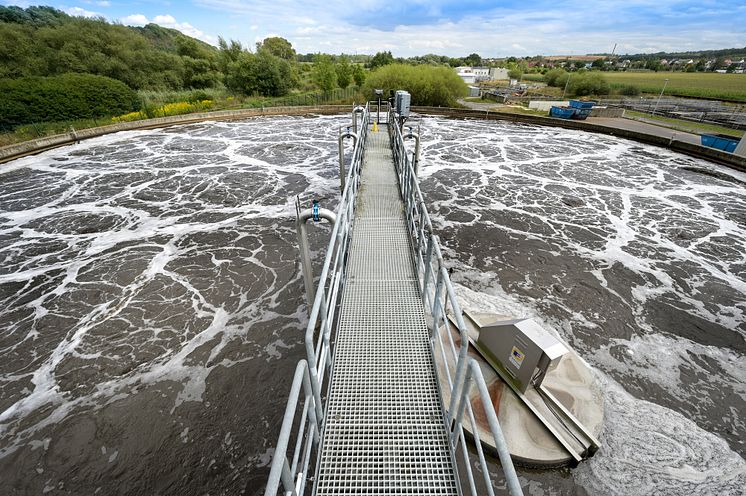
x=316, y=369
x=440, y=301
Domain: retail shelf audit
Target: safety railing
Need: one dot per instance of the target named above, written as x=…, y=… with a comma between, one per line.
x=312, y=373
x=439, y=299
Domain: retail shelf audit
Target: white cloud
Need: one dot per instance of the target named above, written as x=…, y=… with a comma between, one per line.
x=164, y=20
x=134, y=20
x=77, y=11
x=536, y=28
x=168, y=21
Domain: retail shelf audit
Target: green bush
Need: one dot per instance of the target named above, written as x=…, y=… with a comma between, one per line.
x=61, y=98
x=588, y=83
x=553, y=77
x=428, y=85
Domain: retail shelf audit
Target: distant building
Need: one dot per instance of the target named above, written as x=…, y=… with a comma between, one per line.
x=498, y=73
x=472, y=75
x=466, y=75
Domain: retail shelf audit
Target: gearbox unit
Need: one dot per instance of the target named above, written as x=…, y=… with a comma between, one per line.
x=521, y=349
x=402, y=103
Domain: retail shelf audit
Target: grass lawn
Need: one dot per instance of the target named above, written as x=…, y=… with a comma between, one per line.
x=682, y=125
x=687, y=84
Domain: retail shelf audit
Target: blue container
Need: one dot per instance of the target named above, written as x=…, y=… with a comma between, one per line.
x=720, y=141
x=580, y=114
x=561, y=112
x=577, y=104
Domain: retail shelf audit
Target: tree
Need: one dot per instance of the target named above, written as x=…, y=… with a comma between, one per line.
x=380, y=59
x=324, y=74
x=42, y=41
x=653, y=65
x=344, y=72
x=598, y=64
x=228, y=53
x=515, y=73
x=277, y=46
x=473, y=60
x=358, y=74
x=718, y=64
x=261, y=73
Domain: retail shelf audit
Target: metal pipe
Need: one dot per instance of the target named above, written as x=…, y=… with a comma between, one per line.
x=302, y=216
x=342, y=137
x=659, y=96
x=355, y=111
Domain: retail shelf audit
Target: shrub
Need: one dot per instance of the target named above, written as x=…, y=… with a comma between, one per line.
x=198, y=96
x=428, y=85
x=588, y=83
x=552, y=77
x=150, y=111
x=62, y=98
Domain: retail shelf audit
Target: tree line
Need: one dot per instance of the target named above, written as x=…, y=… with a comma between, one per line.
x=46, y=52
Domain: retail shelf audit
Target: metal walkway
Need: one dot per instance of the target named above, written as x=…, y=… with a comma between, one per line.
x=385, y=432
x=373, y=335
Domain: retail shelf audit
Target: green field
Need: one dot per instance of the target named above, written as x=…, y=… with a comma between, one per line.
x=689, y=84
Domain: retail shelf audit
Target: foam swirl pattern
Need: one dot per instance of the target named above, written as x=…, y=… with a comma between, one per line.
x=151, y=307
x=637, y=257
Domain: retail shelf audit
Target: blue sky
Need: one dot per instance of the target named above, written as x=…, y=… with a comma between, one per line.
x=447, y=27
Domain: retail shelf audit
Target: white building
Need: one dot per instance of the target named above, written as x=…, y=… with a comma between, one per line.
x=498, y=73
x=472, y=75
x=468, y=77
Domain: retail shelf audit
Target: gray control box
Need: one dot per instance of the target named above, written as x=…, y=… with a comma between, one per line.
x=402, y=103
x=522, y=349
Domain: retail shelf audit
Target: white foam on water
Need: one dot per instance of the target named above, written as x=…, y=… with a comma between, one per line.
x=645, y=448
x=153, y=184
x=610, y=203
x=650, y=449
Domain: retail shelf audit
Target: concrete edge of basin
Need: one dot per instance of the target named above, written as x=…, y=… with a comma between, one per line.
x=32, y=147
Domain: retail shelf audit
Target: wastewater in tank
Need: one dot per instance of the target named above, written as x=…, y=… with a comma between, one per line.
x=152, y=309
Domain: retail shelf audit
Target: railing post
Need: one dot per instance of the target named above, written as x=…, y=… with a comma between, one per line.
x=514, y=485
x=428, y=265
x=279, y=469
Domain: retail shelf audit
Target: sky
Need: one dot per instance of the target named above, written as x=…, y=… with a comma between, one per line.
x=446, y=27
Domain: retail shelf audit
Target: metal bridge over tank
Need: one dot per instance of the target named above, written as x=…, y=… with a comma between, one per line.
x=365, y=413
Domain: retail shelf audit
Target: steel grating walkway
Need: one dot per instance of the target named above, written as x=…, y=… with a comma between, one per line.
x=385, y=431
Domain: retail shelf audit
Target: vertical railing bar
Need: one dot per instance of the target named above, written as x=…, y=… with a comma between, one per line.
x=276, y=472
x=301, y=431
